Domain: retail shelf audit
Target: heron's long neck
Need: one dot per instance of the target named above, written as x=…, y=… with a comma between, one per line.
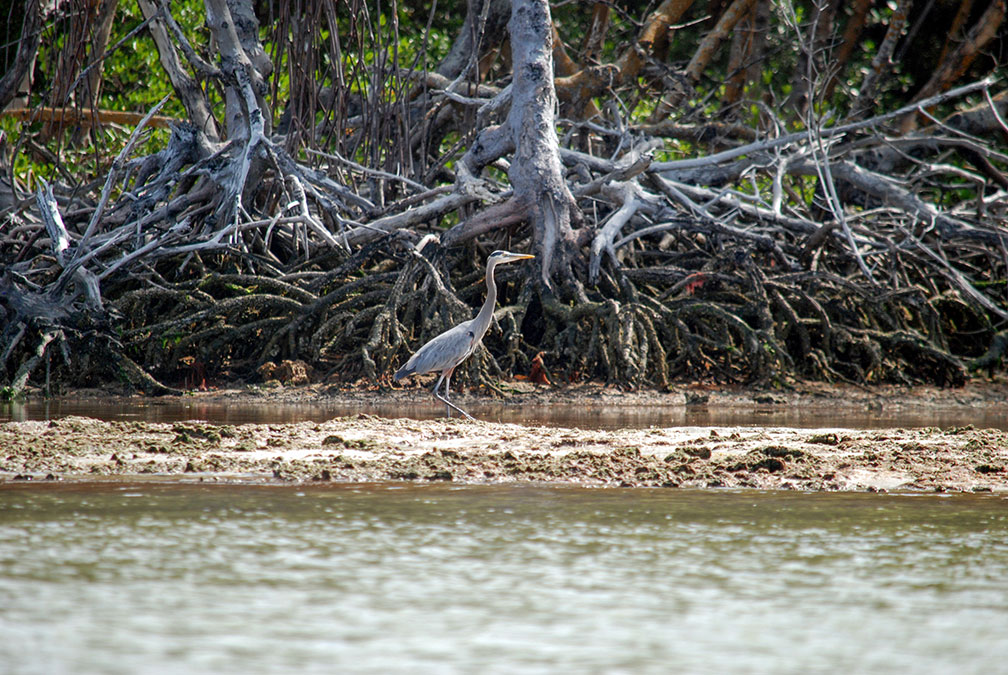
x=482, y=320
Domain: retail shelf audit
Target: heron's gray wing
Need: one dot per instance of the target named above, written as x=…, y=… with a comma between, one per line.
x=445, y=351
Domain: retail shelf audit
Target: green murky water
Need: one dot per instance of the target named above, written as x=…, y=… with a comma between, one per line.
x=149, y=578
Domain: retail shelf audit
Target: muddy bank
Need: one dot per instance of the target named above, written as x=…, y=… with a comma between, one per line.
x=988, y=393
x=982, y=402
x=367, y=448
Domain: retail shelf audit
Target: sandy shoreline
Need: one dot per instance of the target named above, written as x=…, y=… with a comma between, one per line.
x=370, y=448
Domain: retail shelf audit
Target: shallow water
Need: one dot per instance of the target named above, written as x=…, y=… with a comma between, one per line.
x=583, y=415
x=154, y=578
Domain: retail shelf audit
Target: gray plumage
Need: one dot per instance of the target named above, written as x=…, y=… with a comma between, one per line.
x=446, y=351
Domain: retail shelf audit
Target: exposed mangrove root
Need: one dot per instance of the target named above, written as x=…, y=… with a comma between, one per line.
x=865, y=249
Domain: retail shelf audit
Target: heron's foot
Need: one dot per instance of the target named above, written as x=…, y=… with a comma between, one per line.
x=452, y=406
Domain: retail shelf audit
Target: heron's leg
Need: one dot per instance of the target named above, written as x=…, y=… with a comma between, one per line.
x=447, y=389
x=437, y=385
x=451, y=406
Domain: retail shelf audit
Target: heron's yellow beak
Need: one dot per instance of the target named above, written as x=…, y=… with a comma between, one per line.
x=508, y=256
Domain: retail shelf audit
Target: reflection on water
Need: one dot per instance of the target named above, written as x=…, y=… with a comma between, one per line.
x=145, y=578
x=584, y=416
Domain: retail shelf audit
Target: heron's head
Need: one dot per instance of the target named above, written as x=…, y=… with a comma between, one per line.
x=498, y=257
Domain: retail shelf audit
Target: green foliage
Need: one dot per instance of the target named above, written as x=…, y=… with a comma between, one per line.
x=132, y=77
x=132, y=81
x=62, y=158
x=170, y=339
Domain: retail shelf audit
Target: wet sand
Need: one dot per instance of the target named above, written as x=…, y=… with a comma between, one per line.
x=369, y=448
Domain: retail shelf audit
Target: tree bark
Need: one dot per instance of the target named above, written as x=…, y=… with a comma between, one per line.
x=99, y=43
x=956, y=63
x=965, y=7
x=187, y=88
x=882, y=64
x=31, y=34
x=850, y=39
x=593, y=79
x=248, y=116
x=746, y=52
x=597, y=29
x=704, y=54
x=812, y=65
x=536, y=173
x=474, y=39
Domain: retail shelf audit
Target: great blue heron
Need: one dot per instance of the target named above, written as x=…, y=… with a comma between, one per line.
x=446, y=351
